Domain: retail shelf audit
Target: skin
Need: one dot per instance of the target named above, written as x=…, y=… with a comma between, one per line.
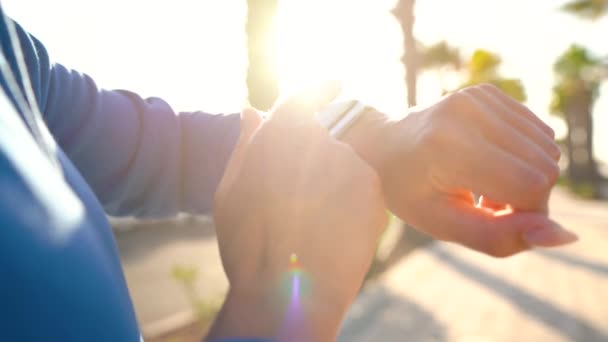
x=477, y=140
x=290, y=188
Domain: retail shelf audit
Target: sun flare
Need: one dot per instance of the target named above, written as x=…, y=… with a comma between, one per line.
x=318, y=41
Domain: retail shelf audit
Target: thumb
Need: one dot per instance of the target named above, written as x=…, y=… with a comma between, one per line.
x=302, y=107
x=497, y=235
x=250, y=121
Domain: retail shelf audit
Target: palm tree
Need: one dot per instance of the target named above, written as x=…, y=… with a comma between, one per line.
x=578, y=77
x=262, y=82
x=588, y=9
x=404, y=12
x=577, y=82
x=483, y=68
x=442, y=59
x=440, y=55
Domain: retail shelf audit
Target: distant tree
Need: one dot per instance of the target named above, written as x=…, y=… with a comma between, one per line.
x=577, y=83
x=404, y=12
x=440, y=55
x=441, y=58
x=262, y=81
x=483, y=68
x=578, y=76
x=588, y=9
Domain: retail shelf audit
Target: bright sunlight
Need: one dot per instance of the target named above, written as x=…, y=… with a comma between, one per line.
x=319, y=40
x=356, y=42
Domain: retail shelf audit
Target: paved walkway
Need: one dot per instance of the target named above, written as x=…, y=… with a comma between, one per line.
x=439, y=293
x=447, y=293
x=150, y=252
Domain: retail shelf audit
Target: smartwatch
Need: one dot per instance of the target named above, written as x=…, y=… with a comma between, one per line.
x=338, y=117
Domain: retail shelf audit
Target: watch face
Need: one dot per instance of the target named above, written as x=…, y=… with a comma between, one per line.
x=333, y=112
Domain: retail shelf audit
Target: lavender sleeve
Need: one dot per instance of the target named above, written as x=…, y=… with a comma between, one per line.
x=138, y=155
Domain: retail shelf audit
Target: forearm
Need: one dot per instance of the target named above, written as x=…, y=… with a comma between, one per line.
x=206, y=145
x=371, y=136
x=138, y=155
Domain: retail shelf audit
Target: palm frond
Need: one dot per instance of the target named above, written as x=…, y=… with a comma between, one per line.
x=588, y=9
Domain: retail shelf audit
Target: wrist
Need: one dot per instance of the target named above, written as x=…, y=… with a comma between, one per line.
x=246, y=315
x=276, y=315
x=369, y=136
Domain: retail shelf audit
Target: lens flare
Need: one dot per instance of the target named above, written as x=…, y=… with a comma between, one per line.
x=296, y=285
x=293, y=258
x=294, y=265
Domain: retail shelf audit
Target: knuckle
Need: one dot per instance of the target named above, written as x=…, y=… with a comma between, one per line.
x=465, y=105
x=549, y=129
x=539, y=186
x=555, y=168
x=476, y=90
x=553, y=174
x=489, y=87
x=459, y=98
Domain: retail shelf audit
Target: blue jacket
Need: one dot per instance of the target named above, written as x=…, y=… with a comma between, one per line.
x=68, y=156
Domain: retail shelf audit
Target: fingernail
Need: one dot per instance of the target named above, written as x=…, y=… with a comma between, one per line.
x=550, y=236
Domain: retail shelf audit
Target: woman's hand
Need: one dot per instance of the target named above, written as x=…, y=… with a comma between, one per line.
x=477, y=140
x=288, y=189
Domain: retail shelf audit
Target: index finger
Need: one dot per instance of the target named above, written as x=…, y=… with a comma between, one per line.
x=498, y=236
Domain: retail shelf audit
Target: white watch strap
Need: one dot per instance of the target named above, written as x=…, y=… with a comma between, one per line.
x=338, y=117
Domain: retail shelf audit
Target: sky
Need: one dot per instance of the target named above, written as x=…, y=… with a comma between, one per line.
x=192, y=53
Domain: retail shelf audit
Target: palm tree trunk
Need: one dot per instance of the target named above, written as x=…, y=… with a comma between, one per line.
x=582, y=168
x=404, y=11
x=262, y=82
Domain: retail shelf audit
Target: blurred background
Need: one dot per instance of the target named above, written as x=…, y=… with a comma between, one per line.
x=217, y=56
